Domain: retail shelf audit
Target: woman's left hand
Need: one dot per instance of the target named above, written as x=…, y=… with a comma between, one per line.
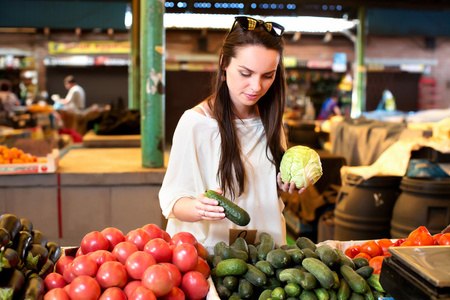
x=288, y=187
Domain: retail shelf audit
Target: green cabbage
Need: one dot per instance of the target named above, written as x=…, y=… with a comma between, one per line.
x=301, y=165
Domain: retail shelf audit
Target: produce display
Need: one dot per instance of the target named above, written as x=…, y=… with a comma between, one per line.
x=16, y=156
x=148, y=263
x=301, y=165
x=145, y=263
x=26, y=258
x=301, y=271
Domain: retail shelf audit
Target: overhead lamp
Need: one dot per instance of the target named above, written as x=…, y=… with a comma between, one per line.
x=128, y=17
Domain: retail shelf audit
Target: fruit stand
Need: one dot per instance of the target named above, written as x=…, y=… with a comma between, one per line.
x=148, y=263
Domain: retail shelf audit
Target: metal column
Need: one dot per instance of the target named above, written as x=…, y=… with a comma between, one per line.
x=359, y=81
x=152, y=39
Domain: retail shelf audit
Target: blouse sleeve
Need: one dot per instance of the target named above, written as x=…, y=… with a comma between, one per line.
x=189, y=166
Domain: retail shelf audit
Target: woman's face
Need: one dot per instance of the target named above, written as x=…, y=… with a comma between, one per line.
x=250, y=74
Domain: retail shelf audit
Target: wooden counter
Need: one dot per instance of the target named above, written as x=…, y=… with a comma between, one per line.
x=93, y=188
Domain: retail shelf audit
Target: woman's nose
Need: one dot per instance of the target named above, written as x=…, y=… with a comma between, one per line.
x=256, y=84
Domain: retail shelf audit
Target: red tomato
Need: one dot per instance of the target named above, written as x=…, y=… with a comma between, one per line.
x=202, y=252
x=422, y=239
x=84, y=265
x=137, y=263
x=166, y=236
x=142, y=293
x=124, y=249
x=376, y=263
x=53, y=281
x=68, y=275
x=444, y=239
x=406, y=243
x=102, y=256
x=436, y=238
x=159, y=249
x=385, y=244
x=185, y=257
x=62, y=263
x=153, y=231
x=93, y=241
x=365, y=255
x=352, y=251
x=174, y=271
x=112, y=273
x=203, y=267
x=131, y=286
x=184, y=237
x=79, y=252
x=417, y=230
x=56, y=294
x=114, y=236
x=113, y=293
x=84, y=287
x=138, y=237
x=194, y=285
x=399, y=242
x=371, y=248
x=157, y=279
x=174, y=294
x=67, y=289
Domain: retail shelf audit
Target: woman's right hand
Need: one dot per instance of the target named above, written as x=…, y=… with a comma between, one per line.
x=208, y=209
x=201, y=208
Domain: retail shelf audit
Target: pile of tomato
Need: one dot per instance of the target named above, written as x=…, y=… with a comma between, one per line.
x=145, y=264
x=375, y=250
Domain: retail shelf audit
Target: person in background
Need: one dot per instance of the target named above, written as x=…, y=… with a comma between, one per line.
x=233, y=142
x=8, y=99
x=75, y=98
x=330, y=107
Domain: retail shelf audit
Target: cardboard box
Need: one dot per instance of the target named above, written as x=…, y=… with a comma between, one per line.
x=47, y=164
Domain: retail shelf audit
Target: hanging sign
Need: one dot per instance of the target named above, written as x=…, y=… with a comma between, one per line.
x=339, y=62
x=89, y=47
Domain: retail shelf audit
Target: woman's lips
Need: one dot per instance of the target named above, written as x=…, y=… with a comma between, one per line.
x=251, y=96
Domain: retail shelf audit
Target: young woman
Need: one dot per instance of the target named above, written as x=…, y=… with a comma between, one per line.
x=233, y=142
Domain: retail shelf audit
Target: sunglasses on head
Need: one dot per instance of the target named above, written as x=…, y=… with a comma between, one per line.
x=248, y=23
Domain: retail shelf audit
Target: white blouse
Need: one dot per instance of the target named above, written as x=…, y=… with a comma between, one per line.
x=192, y=169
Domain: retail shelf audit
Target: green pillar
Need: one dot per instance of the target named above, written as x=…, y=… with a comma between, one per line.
x=152, y=85
x=134, y=68
x=359, y=78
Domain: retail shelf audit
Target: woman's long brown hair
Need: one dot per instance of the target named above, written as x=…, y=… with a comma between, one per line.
x=231, y=173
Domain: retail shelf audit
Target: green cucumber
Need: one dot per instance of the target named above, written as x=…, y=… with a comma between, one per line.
x=278, y=258
x=265, y=267
x=230, y=282
x=374, y=282
x=354, y=280
x=296, y=255
x=245, y=288
x=308, y=295
x=344, y=290
x=327, y=255
x=305, y=279
x=266, y=294
x=320, y=270
x=365, y=271
x=232, y=211
x=322, y=294
x=303, y=242
x=232, y=266
x=255, y=276
x=267, y=244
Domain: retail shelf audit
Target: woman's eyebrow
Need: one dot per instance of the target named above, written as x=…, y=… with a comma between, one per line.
x=250, y=70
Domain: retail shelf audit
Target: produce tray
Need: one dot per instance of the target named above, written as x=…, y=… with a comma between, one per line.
x=47, y=164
